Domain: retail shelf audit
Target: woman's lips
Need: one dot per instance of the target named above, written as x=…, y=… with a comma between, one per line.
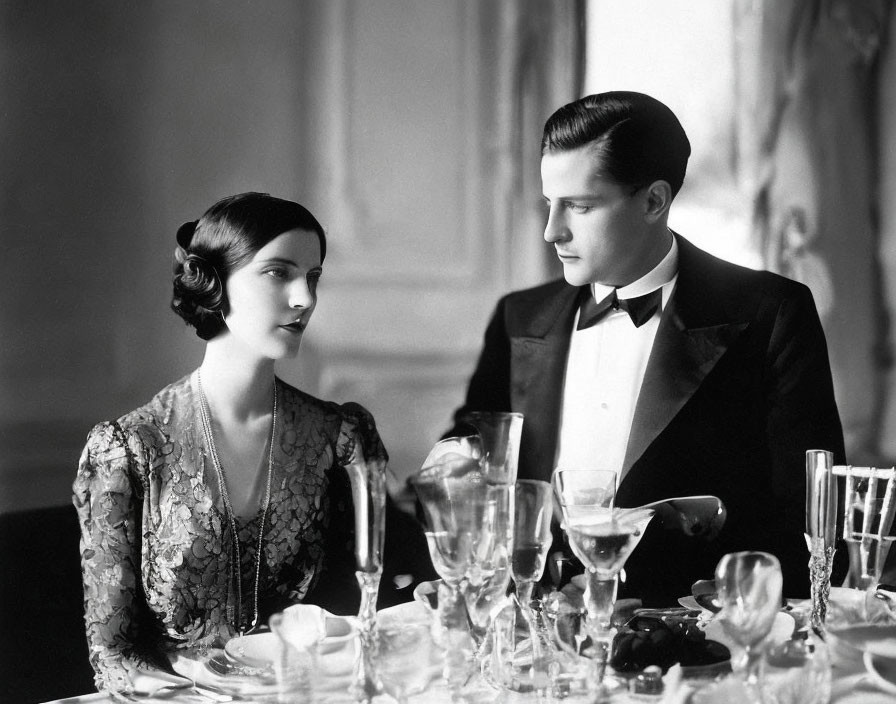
x=297, y=326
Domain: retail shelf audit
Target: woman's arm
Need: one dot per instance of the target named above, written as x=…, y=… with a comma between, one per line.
x=107, y=496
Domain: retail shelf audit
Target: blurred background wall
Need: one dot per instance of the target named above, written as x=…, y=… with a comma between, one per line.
x=410, y=128
x=401, y=124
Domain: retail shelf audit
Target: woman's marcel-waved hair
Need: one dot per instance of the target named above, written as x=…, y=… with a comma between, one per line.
x=637, y=139
x=227, y=236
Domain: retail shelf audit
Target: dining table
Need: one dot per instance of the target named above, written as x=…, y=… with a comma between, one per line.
x=853, y=681
x=851, y=684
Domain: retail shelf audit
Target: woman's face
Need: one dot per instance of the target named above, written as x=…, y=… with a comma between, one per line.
x=272, y=296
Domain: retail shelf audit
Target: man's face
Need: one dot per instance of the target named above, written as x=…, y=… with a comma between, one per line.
x=597, y=226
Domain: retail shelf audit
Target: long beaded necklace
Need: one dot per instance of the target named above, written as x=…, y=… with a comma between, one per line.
x=232, y=616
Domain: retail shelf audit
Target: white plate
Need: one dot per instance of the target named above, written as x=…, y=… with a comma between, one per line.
x=263, y=649
x=255, y=649
x=880, y=641
x=882, y=671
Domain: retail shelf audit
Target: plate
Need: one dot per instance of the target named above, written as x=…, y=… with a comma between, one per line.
x=882, y=671
x=263, y=649
x=255, y=649
x=878, y=640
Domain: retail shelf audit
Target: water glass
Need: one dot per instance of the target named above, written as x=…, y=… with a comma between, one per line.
x=500, y=433
x=749, y=588
x=406, y=652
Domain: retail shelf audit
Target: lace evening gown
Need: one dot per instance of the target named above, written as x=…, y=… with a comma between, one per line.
x=156, y=543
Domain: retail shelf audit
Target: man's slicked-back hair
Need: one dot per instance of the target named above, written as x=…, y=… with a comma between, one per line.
x=637, y=138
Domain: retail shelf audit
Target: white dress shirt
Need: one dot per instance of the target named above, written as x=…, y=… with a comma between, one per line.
x=604, y=371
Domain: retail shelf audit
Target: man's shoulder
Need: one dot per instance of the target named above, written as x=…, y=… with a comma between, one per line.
x=715, y=274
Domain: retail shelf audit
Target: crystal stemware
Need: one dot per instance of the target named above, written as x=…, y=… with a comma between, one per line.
x=749, y=588
x=455, y=501
x=368, y=486
x=533, y=510
x=405, y=653
x=500, y=434
x=821, y=523
x=521, y=647
x=584, y=493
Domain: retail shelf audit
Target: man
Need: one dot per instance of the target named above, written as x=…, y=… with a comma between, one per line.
x=715, y=380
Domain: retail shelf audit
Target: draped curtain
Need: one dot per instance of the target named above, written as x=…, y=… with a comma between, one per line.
x=805, y=94
x=540, y=66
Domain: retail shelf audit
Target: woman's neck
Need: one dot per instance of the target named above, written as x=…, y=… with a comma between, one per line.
x=237, y=388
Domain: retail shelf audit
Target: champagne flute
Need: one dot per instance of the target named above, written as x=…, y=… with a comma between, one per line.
x=367, y=476
x=749, y=588
x=533, y=505
x=533, y=510
x=821, y=523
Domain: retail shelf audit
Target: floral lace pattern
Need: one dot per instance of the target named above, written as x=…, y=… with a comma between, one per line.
x=155, y=544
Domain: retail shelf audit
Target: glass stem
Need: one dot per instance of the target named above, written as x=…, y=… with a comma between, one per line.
x=366, y=684
x=524, y=591
x=600, y=598
x=459, y=645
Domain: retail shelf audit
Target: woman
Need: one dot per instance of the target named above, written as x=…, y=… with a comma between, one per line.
x=222, y=499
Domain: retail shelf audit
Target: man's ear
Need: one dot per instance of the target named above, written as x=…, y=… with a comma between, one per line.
x=659, y=198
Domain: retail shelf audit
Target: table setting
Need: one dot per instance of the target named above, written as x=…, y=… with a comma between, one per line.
x=488, y=631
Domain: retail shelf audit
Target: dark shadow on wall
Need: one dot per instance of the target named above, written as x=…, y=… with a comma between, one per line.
x=43, y=647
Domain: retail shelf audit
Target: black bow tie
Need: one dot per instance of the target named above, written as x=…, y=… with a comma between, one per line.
x=640, y=309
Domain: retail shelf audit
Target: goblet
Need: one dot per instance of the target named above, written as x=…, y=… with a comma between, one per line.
x=455, y=501
x=749, y=591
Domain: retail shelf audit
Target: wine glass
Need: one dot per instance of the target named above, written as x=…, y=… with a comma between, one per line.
x=455, y=501
x=499, y=433
x=749, y=588
x=405, y=654
x=584, y=494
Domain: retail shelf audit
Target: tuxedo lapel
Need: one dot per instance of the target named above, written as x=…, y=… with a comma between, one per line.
x=694, y=332
x=538, y=348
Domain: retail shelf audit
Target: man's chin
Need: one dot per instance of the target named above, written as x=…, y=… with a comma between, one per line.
x=575, y=277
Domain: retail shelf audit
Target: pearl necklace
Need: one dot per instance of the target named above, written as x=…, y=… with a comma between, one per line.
x=232, y=617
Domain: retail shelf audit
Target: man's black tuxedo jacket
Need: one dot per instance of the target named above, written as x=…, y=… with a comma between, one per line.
x=737, y=388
